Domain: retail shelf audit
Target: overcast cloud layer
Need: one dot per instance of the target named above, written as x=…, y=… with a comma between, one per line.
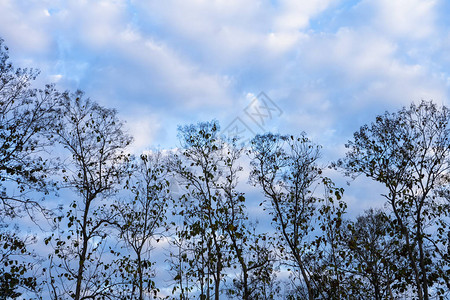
x=329, y=65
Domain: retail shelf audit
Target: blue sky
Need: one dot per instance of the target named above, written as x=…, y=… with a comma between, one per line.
x=329, y=65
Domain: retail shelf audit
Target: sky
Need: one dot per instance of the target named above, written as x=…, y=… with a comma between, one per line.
x=324, y=67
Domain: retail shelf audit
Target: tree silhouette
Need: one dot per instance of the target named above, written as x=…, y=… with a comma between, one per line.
x=97, y=163
x=24, y=113
x=286, y=169
x=408, y=152
x=143, y=220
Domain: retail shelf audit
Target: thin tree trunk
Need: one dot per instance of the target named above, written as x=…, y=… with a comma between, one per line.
x=423, y=270
x=141, y=284
x=83, y=254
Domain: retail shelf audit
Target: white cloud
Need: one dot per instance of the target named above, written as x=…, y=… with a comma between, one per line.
x=281, y=42
x=227, y=28
x=410, y=19
x=199, y=58
x=87, y=32
x=228, y=33
x=178, y=77
x=373, y=65
x=295, y=15
x=24, y=26
x=144, y=128
x=55, y=78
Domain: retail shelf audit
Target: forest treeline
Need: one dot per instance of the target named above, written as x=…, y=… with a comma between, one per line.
x=99, y=212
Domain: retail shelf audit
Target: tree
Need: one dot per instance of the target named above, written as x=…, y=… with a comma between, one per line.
x=24, y=113
x=286, y=169
x=197, y=167
x=250, y=253
x=97, y=163
x=371, y=256
x=215, y=233
x=143, y=220
x=408, y=152
x=328, y=259
x=194, y=167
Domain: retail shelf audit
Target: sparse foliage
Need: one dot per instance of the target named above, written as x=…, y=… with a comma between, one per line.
x=216, y=234
x=142, y=222
x=408, y=152
x=97, y=163
x=286, y=169
x=24, y=113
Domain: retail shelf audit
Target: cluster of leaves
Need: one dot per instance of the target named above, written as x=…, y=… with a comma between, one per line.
x=13, y=274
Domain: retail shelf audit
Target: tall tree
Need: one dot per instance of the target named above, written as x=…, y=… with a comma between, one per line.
x=24, y=113
x=215, y=224
x=408, y=152
x=96, y=164
x=197, y=169
x=143, y=221
x=250, y=253
x=286, y=169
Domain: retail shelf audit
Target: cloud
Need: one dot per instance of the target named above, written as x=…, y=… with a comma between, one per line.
x=144, y=128
x=296, y=15
x=371, y=64
x=342, y=77
x=409, y=19
x=18, y=24
x=321, y=61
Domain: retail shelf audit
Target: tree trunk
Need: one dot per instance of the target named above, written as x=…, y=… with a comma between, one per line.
x=141, y=284
x=81, y=262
